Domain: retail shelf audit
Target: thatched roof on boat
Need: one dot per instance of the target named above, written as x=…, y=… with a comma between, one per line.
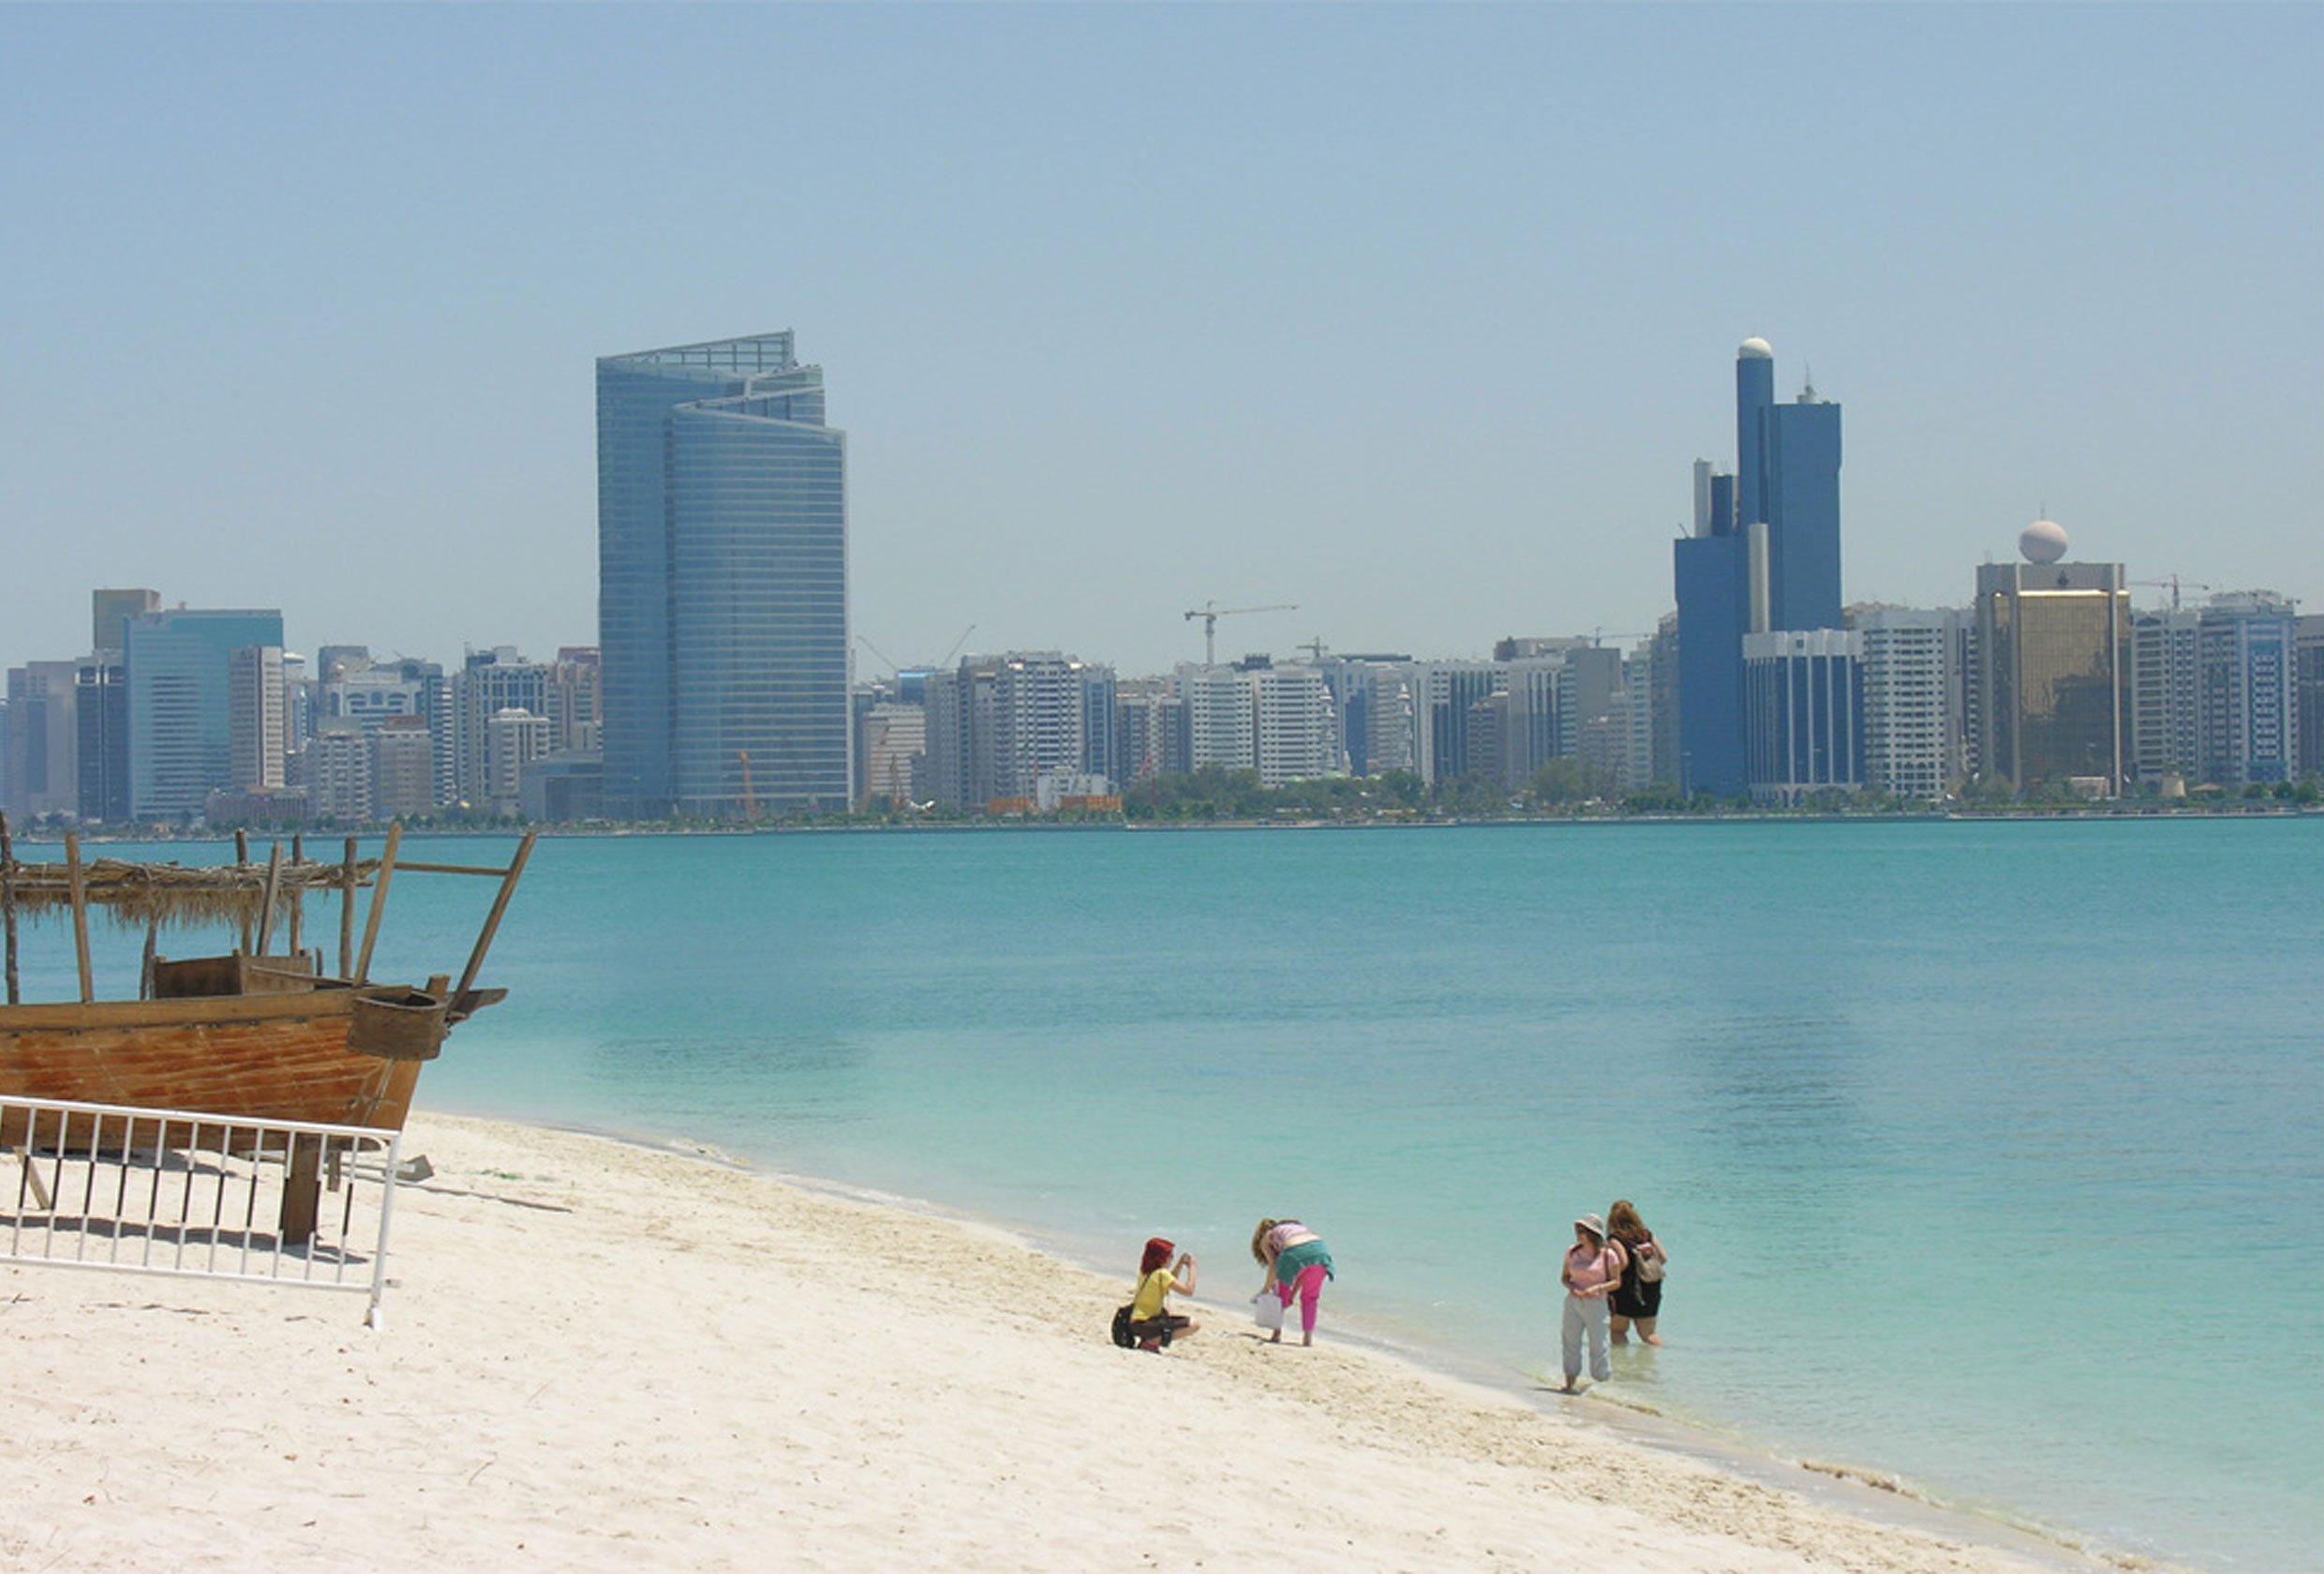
x=135, y=895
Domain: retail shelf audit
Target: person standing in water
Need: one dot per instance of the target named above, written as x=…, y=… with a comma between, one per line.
x=1638, y=1299
x=1590, y=1272
x=1297, y=1262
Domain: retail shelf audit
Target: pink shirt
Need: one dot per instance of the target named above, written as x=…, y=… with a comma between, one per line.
x=1587, y=1269
x=1287, y=1235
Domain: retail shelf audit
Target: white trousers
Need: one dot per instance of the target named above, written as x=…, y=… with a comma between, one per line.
x=1591, y=1316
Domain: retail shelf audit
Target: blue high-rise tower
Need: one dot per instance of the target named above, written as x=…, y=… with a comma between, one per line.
x=1711, y=572
x=721, y=514
x=1754, y=395
x=1764, y=556
x=1801, y=445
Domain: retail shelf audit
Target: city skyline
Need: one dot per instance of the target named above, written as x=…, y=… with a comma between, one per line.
x=1108, y=359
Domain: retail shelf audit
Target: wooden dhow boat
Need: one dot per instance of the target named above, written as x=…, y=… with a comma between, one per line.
x=253, y=1034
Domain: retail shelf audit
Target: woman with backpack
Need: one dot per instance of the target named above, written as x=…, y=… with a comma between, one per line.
x=1638, y=1299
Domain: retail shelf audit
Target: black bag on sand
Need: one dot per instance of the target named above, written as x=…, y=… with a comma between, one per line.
x=1129, y=1334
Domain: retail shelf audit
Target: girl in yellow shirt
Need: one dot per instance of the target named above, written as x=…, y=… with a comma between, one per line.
x=1150, y=1320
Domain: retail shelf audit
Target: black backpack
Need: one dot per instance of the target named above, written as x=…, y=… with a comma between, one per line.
x=1128, y=1335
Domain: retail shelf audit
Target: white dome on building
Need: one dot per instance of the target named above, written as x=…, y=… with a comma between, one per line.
x=1755, y=350
x=2042, y=541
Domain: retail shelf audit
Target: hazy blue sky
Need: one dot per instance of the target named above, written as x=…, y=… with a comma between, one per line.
x=1412, y=317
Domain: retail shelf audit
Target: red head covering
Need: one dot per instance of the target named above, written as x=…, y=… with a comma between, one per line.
x=1157, y=1256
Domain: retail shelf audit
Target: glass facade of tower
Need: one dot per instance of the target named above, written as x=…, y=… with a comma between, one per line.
x=1714, y=608
x=2054, y=699
x=178, y=665
x=722, y=583
x=1803, y=514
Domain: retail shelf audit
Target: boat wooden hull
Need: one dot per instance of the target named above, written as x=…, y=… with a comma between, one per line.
x=253, y=1057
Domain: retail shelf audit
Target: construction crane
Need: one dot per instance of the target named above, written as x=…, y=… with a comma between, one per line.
x=750, y=799
x=1210, y=612
x=1598, y=636
x=1314, y=648
x=956, y=645
x=2174, y=582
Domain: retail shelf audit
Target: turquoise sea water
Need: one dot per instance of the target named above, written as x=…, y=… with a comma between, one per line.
x=1989, y=1155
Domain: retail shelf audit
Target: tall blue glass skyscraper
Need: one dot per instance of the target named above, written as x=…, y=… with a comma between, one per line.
x=1712, y=576
x=1802, y=479
x=1765, y=557
x=722, y=509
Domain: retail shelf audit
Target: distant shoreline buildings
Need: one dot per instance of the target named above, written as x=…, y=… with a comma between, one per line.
x=721, y=686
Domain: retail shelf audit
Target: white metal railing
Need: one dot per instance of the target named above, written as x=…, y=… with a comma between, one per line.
x=209, y=1196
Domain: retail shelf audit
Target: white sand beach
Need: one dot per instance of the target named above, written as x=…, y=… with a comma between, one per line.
x=601, y=1357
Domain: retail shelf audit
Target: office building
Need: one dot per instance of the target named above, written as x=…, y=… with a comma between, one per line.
x=1444, y=695
x=101, y=719
x=2053, y=681
x=1805, y=691
x=403, y=768
x=1662, y=700
x=178, y=665
x=563, y=786
x=723, y=592
x=895, y=748
x=1915, y=680
x=1037, y=721
x=488, y=683
x=513, y=740
x=1145, y=714
x=1294, y=736
x=2246, y=669
x=1764, y=556
x=42, y=741
x=1637, y=704
x=2167, y=729
x=1802, y=471
x=1711, y=578
x=258, y=720
x=576, y=700
x=1532, y=729
x=1216, y=716
x=110, y=610
x=2308, y=657
x=334, y=768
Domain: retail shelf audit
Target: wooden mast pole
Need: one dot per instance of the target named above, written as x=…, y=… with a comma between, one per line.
x=267, y=904
x=492, y=921
x=378, y=902
x=242, y=860
x=8, y=900
x=80, y=915
x=298, y=858
x=347, y=913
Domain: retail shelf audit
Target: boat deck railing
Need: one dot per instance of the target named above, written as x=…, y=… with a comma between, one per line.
x=188, y=1194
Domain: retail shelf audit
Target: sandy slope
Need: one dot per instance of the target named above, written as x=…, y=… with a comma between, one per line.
x=603, y=1357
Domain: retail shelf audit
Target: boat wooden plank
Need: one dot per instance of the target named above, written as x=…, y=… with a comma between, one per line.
x=66, y=1016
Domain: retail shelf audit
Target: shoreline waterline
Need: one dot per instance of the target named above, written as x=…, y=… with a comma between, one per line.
x=1862, y=1493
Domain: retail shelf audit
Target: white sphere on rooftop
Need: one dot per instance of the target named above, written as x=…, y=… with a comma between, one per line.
x=2042, y=541
x=1755, y=350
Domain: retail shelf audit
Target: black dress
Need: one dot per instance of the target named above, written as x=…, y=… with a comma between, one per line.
x=1634, y=1298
